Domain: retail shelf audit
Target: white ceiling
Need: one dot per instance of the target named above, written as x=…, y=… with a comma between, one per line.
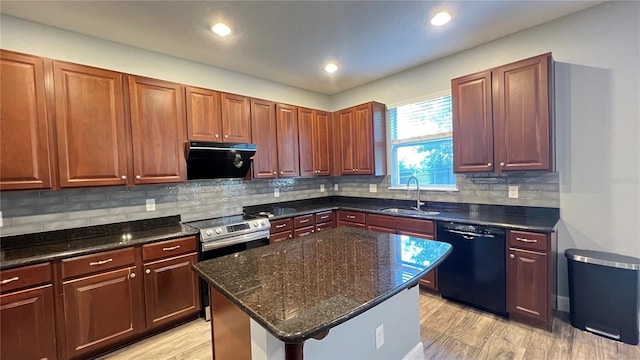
x=290, y=41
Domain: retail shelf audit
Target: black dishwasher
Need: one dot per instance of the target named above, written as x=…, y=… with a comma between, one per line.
x=474, y=273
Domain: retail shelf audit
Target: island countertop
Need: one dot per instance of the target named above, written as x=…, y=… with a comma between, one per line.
x=301, y=288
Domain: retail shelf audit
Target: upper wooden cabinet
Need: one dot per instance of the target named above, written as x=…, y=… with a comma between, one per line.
x=360, y=140
x=204, y=117
x=90, y=126
x=157, y=130
x=287, y=135
x=314, y=142
x=25, y=133
x=502, y=117
x=263, y=127
x=235, y=118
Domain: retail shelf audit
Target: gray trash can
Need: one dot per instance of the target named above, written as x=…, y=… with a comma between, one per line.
x=603, y=293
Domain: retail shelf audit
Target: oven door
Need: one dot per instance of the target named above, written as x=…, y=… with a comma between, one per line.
x=218, y=252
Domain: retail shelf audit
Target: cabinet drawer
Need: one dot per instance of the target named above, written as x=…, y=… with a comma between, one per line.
x=325, y=216
x=88, y=264
x=303, y=221
x=351, y=216
x=429, y=281
x=528, y=240
x=281, y=236
x=281, y=225
x=167, y=248
x=323, y=226
x=303, y=231
x=23, y=277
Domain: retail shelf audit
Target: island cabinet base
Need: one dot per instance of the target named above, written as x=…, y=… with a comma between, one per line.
x=230, y=329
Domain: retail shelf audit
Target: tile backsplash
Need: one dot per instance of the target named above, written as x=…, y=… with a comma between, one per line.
x=35, y=211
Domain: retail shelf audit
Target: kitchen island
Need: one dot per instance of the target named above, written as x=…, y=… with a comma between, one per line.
x=342, y=293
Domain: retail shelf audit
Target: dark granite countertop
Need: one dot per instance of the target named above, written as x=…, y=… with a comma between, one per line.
x=299, y=288
x=510, y=217
x=21, y=250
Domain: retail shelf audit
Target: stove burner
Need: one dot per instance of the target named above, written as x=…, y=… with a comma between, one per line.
x=265, y=214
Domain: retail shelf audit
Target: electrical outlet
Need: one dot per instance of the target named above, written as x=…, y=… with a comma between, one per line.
x=379, y=336
x=513, y=192
x=276, y=192
x=373, y=188
x=335, y=187
x=1, y=222
x=321, y=187
x=151, y=205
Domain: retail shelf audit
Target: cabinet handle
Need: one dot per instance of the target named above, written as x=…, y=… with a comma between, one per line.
x=526, y=240
x=324, y=217
x=313, y=231
x=171, y=248
x=123, y=177
x=290, y=236
x=512, y=256
x=6, y=281
x=281, y=172
x=281, y=226
x=101, y=262
x=217, y=135
x=138, y=177
x=132, y=275
x=275, y=173
x=305, y=234
x=226, y=136
x=350, y=217
x=489, y=164
x=148, y=271
x=304, y=221
x=501, y=164
x=319, y=229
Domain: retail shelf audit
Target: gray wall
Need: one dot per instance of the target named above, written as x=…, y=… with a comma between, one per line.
x=35, y=211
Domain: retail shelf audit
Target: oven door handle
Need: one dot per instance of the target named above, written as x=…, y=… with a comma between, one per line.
x=238, y=239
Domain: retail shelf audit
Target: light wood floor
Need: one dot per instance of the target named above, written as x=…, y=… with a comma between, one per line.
x=448, y=331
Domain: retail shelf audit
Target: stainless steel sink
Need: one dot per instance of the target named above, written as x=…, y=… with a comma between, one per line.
x=409, y=211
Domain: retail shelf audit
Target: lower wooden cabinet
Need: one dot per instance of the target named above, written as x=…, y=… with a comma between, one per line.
x=27, y=328
x=531, y=278
x=170, y=289
x=100, y=310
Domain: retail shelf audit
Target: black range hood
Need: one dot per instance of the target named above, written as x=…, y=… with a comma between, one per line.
x=212, y=160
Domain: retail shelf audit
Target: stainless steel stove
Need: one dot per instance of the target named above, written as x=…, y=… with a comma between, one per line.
x=222, y=232
x=228, y=235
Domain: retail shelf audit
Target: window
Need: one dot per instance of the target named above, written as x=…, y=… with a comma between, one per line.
x=422, y=143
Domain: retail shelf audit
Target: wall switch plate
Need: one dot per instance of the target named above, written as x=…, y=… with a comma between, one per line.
x=379, y=336
x=513, y=192
x=276, y=192
x=335, y=187
x=321, y=187
x=1, y=222
x=151, y=204
x=373, y=188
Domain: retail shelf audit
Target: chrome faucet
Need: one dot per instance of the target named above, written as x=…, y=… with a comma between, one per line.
x=418, y=202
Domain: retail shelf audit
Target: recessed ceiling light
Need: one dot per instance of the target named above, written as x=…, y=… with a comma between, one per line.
x=441, y=18
x=331, y=68
x=221, y=29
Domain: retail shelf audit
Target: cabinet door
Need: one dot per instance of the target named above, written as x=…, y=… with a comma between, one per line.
x=321, y=143
x=472, y=123
x=24, y=128
x=236, y=118
x=157, y=131
x=263, y=128
x=27, y=328
x=287, y=127
x=345, y=142
x=521, y=115
x=90, y=126
x=100, y=310
x=363, y=139
x=203, y=115
x=527, y=284
x=171, y=289
x=306, y=142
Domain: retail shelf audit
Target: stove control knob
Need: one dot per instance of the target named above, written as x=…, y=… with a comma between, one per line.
x=256, y=223
x=218, y=231
x=263, y=223
x=209, y=232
